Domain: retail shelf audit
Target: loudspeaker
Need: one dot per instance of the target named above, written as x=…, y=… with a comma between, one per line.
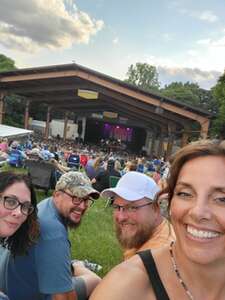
x=80, y=127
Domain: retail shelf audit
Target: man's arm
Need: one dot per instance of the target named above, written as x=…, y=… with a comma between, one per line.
x=90, y=279
x=126, y=281
x=65, y=296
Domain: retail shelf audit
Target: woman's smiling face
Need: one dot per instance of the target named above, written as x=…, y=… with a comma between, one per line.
x=198, y=209
x=11, y=220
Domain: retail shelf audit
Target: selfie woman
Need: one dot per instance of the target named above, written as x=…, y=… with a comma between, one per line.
x=192, y=267
x=19, y=228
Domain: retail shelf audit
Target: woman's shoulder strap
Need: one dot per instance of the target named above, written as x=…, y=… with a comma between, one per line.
x=149, y=263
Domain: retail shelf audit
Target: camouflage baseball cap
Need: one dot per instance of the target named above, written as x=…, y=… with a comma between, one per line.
x=78, y=184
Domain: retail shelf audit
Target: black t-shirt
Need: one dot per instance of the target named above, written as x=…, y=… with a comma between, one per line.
x=102, y=179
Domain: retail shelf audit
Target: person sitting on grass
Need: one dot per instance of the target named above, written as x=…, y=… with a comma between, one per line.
x=46, y=272
x=18, y=220
x=138, y=222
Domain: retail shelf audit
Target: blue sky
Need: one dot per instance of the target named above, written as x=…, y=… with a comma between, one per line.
x=184, y=39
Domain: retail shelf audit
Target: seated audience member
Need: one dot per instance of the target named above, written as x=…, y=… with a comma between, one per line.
x=3, y=158
x=99, y=166
x=16, y=156
x=89, y=168
x=117, y=166
x=141, y=165
x=18, y=220
x=101, y=181
x=193, y=266
x=4, y=145
x=46, y=273
x=45, y=154
x=138, y=222
x=156, y=175
x=131, y=165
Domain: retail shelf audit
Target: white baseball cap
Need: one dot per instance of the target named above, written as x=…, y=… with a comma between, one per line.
x=133, y=186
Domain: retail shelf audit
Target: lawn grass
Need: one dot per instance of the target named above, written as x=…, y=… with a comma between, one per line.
x=94, y=239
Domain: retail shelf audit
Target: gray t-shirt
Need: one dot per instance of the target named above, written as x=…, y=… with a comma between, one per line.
x=4, y=257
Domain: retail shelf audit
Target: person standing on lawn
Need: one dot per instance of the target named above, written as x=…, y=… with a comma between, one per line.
x=46, y=273
x=138, y=222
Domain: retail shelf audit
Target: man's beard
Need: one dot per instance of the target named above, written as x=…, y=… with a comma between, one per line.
x=70, y=223
x=136, y=238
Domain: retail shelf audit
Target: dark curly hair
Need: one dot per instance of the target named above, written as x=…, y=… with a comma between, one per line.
x=28, y=232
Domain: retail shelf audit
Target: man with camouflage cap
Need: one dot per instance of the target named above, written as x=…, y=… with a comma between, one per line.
x=46, y=273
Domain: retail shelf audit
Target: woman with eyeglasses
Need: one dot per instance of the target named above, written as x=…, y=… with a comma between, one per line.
x=192, y=267
x=18, y=219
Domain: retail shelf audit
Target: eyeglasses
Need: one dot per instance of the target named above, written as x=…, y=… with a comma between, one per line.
x=12, y=202
x=77, y=201
x=129, y=208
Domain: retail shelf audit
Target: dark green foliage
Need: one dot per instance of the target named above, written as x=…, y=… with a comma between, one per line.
x=143, y=76
x=38, y=111
x=184, y=92
x=219, y=94
x=6, y=63
x=14, y=111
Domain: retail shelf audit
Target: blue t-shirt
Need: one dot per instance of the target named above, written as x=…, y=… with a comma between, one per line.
x=46, y=269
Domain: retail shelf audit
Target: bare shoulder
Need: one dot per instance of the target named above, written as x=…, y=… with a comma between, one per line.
x=128, y=280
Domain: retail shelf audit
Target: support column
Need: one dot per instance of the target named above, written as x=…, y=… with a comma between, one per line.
x=26, y=115
x=147, y=140
x=2, y=95
x=204, y=128
x=152, y=151
x=185, y=135
x=160, y=150
x=47, y=125
x=65, y=126
x=171, y=133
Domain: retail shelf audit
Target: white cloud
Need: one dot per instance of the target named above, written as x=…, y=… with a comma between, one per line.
x=208, y=16
x=203, y=42
x=167, y=37
x=30, y=25
x=205, y=79
x=116, y=41
x=209, y=54
x=192, y=52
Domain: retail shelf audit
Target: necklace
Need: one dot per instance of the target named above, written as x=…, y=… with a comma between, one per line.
x=190, y=296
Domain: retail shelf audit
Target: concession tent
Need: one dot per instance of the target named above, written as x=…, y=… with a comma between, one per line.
x=13, y=132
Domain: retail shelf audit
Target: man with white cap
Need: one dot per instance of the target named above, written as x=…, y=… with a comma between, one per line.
x=138, y=222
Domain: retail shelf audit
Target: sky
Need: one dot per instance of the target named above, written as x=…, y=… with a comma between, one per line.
x=183, y=39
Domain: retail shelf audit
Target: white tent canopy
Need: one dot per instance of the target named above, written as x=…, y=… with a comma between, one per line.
x=13, y=132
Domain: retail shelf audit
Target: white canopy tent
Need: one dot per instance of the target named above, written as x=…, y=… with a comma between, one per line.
x=13, y=132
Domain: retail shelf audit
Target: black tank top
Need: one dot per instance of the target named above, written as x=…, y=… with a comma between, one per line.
x=148, y=261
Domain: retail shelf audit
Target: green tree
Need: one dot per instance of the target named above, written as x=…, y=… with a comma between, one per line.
x=14, y=106
x=184, y=92
x=144, y=76
x=219, y=94
x=6, y=63
x=14, y=111
x=208, y=101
